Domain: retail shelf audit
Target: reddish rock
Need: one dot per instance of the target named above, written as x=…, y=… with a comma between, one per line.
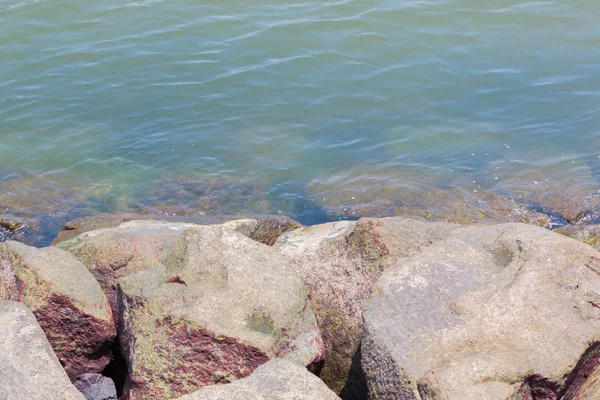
x=339, y=263
x=198, y=305
x=65, y=299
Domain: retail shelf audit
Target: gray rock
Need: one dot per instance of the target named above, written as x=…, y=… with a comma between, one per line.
x=96, y=387
x=66, y=300
x=200, y=305
x=339, y=262
x=480, y=312
x=29, y=368
x=276, y=380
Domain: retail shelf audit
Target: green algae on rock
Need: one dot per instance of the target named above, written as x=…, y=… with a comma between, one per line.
x=277, y=379
x=66, y=300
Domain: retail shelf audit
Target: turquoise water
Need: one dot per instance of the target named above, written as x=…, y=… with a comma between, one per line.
x=108, y=105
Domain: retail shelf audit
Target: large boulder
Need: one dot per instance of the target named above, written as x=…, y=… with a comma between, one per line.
x=275, y=380
x=122, y=246
x=130, y=247
x=339, y=262
x=96, y=387
x=66, y=300
x=199, y=305
x=29, y=368
x=498, y=312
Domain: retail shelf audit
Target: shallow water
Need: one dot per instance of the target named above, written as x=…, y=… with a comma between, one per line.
x=305, y=108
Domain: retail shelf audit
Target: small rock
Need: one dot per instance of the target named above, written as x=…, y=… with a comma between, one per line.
x=96, y=387
x=199, y=305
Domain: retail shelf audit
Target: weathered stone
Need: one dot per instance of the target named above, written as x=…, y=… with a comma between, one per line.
x=66, y=300
x=264, y=228
x=479, y=313
x=29, y=368
x=199, y=305
x=339, y=262
x=96, y=387
x=121, y=248
x=589, y=234
x=275, y=380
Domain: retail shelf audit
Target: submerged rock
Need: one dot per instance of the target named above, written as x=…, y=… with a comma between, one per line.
x=198, y=305
x=566, y=188
x=96, y=387
x=487, y=313
x=275, y=380
x=66, y=300
x=339, y=262
x=382, y=191
x=205, y=195
x=29, y=368
x=38, y=205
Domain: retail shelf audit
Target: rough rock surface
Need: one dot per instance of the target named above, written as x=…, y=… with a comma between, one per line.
x=264, y=228
x=96, y=387
x=214, y=307
x=123, y=248
x=29, y=368
x=66, y=300
x=498, y=312
x=275, y=380
x=339, y=262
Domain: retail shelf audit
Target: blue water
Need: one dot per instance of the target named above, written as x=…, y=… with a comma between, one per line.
x=303, y=108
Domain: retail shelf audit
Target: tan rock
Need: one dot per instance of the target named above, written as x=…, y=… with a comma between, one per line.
x=475, y=315
x=339, y=262
x=66, y=300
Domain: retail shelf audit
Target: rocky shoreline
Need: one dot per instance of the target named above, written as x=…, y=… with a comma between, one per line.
x=265, y=308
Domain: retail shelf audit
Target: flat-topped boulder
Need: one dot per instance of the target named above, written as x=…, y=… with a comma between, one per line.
x=339, y=262
x=497, y=312
x=275, y=380
x=199, y=305
x=66, y=300
x=29, y=368
x=262, y=228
